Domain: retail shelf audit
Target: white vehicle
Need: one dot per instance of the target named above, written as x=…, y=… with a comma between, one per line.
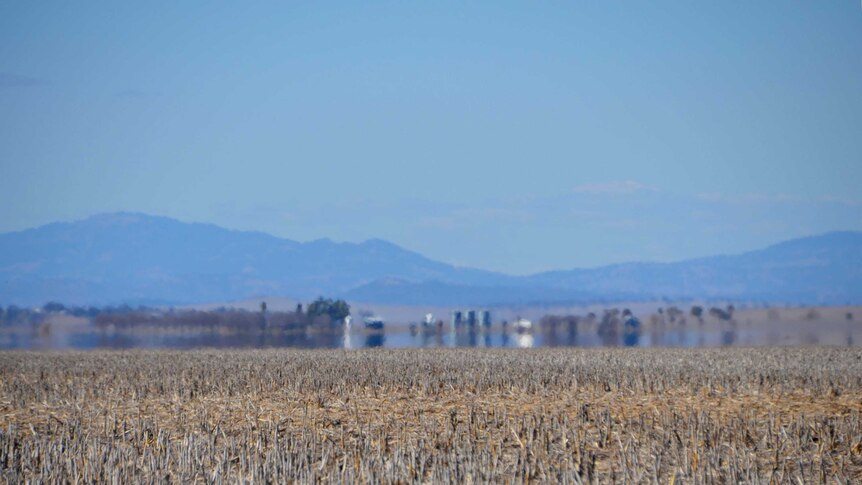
x=523, y=325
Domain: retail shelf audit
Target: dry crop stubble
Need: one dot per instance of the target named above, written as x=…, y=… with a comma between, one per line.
x=562, y=415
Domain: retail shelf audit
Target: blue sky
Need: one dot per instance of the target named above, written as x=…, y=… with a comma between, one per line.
x=513, y=136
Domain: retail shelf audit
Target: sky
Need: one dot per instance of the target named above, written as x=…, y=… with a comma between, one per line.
x=510, y=136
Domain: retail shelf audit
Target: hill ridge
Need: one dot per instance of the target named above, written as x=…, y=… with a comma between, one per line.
x=125, y=257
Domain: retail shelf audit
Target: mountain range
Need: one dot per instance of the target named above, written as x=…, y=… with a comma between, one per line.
x=142, y=259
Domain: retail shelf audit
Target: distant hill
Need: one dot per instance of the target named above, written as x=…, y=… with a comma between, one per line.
x=127, y=257
x=824, y=269
x=141, y=259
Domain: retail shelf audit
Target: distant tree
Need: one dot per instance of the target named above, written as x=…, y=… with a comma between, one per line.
x=263, y=307
x=336, y=310
x=608, y=329
x=697, y=311
x=12, y=313
x=53, y=307
x=849, y=316
x=719, y=313
x=124, y=308
x=674, y=313
x=320, y=321
x=299, y=308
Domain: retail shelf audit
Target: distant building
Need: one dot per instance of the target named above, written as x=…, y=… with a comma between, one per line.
x=471, y=318
x=457, y=318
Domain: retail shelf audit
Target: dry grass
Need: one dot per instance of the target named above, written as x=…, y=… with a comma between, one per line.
x=639, y=416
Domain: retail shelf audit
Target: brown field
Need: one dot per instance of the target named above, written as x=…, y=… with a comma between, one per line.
x=774, y=415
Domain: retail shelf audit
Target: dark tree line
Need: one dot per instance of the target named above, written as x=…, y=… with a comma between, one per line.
x=322, y=313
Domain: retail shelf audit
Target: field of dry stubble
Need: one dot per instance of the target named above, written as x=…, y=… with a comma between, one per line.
x=780, y=415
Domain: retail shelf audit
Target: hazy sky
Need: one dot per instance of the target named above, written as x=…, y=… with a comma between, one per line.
x=516, y=136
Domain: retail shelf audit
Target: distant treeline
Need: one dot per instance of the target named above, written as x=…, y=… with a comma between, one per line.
x=322, y=313
x=15, y=315
x=326, y=313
